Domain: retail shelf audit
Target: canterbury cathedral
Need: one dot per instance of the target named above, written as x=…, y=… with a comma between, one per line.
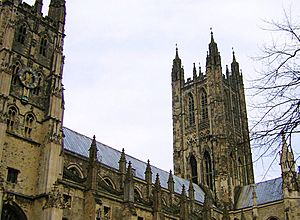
x=50, y=172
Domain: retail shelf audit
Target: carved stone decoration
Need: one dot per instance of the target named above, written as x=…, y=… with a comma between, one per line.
x=55, y=199
x=28, y=78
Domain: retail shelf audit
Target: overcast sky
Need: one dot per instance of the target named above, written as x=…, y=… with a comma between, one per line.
x=119, y=54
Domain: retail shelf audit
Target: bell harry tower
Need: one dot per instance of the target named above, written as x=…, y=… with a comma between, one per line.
x=31, y=106
x=210, y=129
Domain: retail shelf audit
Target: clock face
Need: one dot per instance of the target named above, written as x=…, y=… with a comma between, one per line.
x=28, y=78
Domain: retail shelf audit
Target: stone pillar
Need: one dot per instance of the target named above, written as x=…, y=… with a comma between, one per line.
x=53, y=209
x=184, y=214
x=157, y=200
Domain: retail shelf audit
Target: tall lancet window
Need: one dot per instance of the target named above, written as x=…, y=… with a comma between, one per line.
x=193, y=163
x=208, y=170
x=21, y=34
x=204, y=108
x=191, y=109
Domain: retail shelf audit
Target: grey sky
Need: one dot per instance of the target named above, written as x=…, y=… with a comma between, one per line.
x=119, y=56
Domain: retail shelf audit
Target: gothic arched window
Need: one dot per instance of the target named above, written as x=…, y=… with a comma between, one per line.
x=191, y=109
x=15, y=77
x=29, y=119
x=21, y=35
x=208, y=170
x=11, y=117
x=204, y=108
x=12, y=212
x=193, y=163
x=43, y=46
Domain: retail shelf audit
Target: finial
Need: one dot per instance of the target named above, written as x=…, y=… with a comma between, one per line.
x=233, y=55
x=157, y=181
x=176, y=56
x=211, y=35
x=93, y=141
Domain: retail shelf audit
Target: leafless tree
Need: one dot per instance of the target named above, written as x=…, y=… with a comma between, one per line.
x=277, y=87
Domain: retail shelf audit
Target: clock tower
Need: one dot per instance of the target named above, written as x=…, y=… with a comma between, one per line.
x=31, y=109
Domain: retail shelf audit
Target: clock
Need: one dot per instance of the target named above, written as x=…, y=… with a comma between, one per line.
x=28, y=78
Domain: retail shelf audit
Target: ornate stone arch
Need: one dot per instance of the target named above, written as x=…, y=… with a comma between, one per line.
x=11, y=211
x=272, y=218
x=109, y=182
x=137, y=194
x=76, y=169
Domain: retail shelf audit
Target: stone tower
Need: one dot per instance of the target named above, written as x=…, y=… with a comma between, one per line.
x=31, y=108
x=210, y=129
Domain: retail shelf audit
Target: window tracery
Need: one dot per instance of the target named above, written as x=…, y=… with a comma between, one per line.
x=43, y=46
x=204, y=108
x=15, y=70
x=21, y=36
x=208, y=170
x=11, y=117
x=191, y=109
x=29, y=119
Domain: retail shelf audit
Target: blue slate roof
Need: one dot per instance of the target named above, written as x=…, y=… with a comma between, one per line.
x=109, y=156
x=268, y=191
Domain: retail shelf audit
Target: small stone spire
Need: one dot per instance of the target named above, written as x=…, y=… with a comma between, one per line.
x=157, y=182
x=129, y=173
x=93, y=150
x=213, y=48
x=129, y=185
x=183, y=192
x=227, y=72
x=157, y=195
x=235, y=67
x=122, y=162
x=122, y=167
x=171, y=182
x=38, y=5
x=176, y=55
x=233, y=56
x=287, y=161
x=148, y=178
x=191, y=191
x=194, y=71
x=200, y=72
x=177, y=72
x=213, y=57
x=184, y=214
x=148, y=173
x=92, y=167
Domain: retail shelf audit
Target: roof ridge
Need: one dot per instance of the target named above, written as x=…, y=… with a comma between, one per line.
x=115, y=149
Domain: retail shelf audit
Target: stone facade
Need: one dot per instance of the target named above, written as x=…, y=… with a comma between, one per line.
x=203, y=109
x=51, y=172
